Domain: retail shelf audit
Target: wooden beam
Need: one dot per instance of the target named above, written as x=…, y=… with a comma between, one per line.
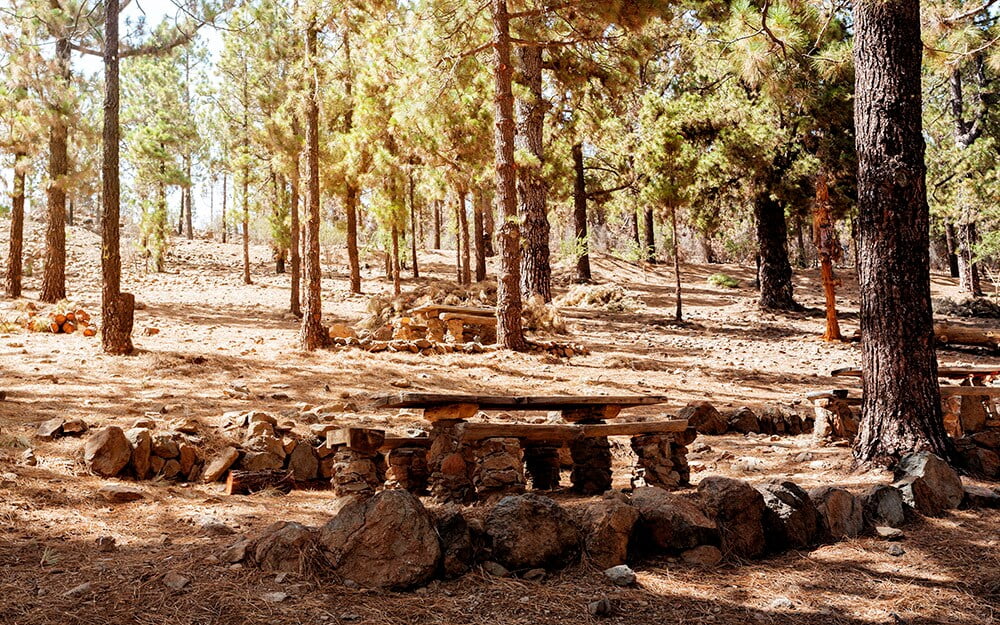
x=970, y=391
x=451, y=412
x=360, y=439
x=559, y=432
x=513, y=402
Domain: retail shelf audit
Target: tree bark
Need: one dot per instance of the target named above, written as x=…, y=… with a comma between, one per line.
x=437, y=224
x=225, y=225
x=580, y=216
x=313, y=335
x=678, y=310
x=968, y=269
x=650, y=236
x=828, y=250
x=189, y=204
x=510, y=332
x=396, y=285
x=901, y=409
x=293, y=245
x=351, y=191
x=246, y=225
x=463, y=230
x=54, y=277
x=951, y=240
x=15, y=258
x=413, y=227
x=775, y=273
x=536, y=274
x=489, y=227
x=117, y=308
x=479, y=235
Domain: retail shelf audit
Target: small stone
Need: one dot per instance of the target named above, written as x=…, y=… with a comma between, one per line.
x=50, y=430
x=74, y=426
x=889, y=533
x=402, y=383
x=213, y=526
x=621, y=575
x=28, y=458
x=79, y=591
x=119, y=493
x=106, y=543
x=175, y=581
x=534, y=575
x=896, y=550
x=601, y=607
x=781, y=603
x=495, y=569
x=274, y=597
x=217, y=468
x=236, y=552
x=705, y=556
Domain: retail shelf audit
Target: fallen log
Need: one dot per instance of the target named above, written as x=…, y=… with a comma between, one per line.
x=950, y=333
x=248, y=482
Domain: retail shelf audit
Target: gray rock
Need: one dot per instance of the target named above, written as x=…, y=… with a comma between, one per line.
x=738, y=509
x=495, y=569
x=262, y=461
x=918, y=495
x=386, y=541
x=791, y=520
x=840, y=512
x=671, y=522
x=274, y=597
x=51, y=429
x=530, y=531
x=744, y=421
x=165, y=445
x=943, y=481
x=889, y=533
x=979, y=497
x=284, y=546
x=895, y=550
x=175, y=581
x=705, y=556
x=883, y=505
x=303, y=463
x=620, y=575
x=607, y=529
x=601, y=608
x=237, y=552
x=107, y=452
x=457, y=551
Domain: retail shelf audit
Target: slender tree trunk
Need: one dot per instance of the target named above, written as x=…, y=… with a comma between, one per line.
x=189, y=204
x=351, y=191
x=650, y=236
x=69, y=215
x=293, y=245
x=828, y=250
x=180, y=216
x=463, y=228
x=396, y=284
x=413, y=227
x=246, y=225
x=117, y=308
x=968, y=269
x=580, y=216
x=800, y=239
x=460, y=198
x=54, y=277
x=951, y=240
x=437, y=224
x=536, y=274
x=634, y=219
x=313, y=334
x=510, y=333
x=225, y=223
x=775, y=274
x=489, y=227
x=160, y=224
x=678, y=310
x=901, y=409
x=12, y=282
x=479, y=235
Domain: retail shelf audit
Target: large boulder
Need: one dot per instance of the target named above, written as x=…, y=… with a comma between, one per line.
x=285, y=546
x=942, y=481
x=744, y=421
x=739, y=511
x=791, y=520
x=704, y=418
x=530, y=531
x=142, y=448
x=607, y=527
x=840, y=512
x=107, y=452
x=457, y=547
x=883, y=506
x=671, y=522
x=386, y=541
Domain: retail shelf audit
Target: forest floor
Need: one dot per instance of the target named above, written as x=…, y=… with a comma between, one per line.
x=214, y=330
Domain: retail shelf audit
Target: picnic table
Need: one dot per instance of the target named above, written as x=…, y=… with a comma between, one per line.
x=456, y=321
x=465, y=457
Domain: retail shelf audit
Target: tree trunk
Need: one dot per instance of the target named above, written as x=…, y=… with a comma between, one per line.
x=54, y=277
x=117, y=308
x=293, y=245
x=951, y=239
x=463, y=229
x=313, y=334
x=489, y=227
x=225, y=224
x=180, y=216
x=510, y=333
x=678, y=310
x=536, y=275
x=634, y=218
x=828, y=250
x=580, y=216
x=246, y=225
x=12, y=282
x=775, y=273
x=437, y=224
x=396, y=285
x=189, y=204
x=353, y=258
x=650, y=224
x=968, y=269
x=800, y=239
x=413, y=228
x=160, y=223
x=479, y=235
x=69, y=214
x=901, y=409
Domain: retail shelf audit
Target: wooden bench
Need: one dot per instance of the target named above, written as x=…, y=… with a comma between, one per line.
x=468, y=457
x=975, y=375
x=457, y=322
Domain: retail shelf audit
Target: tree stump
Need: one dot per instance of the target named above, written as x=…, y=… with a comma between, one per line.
x=591, y=474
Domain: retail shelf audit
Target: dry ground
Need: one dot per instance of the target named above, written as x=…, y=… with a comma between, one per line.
x=214, y=330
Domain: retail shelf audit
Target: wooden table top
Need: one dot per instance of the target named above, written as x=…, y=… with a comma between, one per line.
x=506, y=402
x=953, y=373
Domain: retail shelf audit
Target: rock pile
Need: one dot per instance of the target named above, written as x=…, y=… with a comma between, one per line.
x=662, y=459
x=591, y=473
x=143, y=454
x=772, y=420
x=499, y=466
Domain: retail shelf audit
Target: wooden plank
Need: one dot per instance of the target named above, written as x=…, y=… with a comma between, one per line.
x=952, y=373
x=478, y=320
x=970, y=391
x=361, y=439
x=559, y=432
x=497, y=402
x=437, y=309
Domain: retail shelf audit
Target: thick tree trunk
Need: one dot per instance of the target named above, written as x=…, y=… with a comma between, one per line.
x=54, y=277
x=293, y=245
x=225, y=223
x=117, y=308
x=650, y=236
x=901, y=412
x=313, y=335
x=775, y=273
x=479, y=235
x=510, y=332
x=536, y=275
x=951, y=240
x=12, y=281
x=413, y=228
x=580, y=216
x=968, y=269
